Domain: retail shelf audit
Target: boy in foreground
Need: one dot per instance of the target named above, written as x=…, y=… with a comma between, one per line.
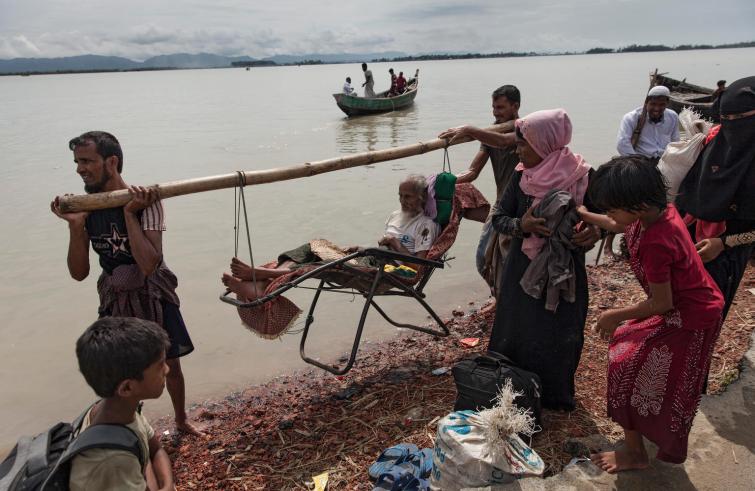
x=123, y=360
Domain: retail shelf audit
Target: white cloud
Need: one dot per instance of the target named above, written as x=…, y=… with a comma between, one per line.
x=49, y=28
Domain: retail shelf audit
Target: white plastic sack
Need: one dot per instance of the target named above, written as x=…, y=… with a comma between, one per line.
x=465, y=458
x=680, y=156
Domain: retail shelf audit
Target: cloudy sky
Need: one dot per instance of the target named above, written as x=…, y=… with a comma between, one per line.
x=138, y=29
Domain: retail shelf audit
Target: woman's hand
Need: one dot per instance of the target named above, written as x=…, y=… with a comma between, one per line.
x=585, y=235
x=709, y=249
x=532, y=225
x=607, y=324
x=141, y=198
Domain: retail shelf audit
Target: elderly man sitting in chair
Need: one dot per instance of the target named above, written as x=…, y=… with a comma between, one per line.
x=407, y=231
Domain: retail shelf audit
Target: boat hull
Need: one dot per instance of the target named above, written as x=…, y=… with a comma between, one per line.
x=361, y=106
x=695, y=97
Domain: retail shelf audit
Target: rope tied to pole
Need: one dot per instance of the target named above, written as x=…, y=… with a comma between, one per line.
x=239, y=203
x=446, y=160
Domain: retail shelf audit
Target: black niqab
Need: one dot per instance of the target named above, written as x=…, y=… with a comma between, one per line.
x=721, y=184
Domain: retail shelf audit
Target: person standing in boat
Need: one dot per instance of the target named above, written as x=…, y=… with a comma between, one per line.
x=400, y=83
x=720, y=87
x=659, y=128
x=135, y=281
x=369, y=83
x=394, y=84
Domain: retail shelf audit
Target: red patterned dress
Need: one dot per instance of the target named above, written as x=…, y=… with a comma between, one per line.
x=657, y=366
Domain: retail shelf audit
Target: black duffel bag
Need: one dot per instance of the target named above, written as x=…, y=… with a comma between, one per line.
x=479, y=378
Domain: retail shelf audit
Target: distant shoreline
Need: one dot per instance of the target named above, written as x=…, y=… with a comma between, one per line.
x=634, y=48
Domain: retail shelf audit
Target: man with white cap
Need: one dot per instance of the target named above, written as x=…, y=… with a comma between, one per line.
x=660, y=127
x=649, y=137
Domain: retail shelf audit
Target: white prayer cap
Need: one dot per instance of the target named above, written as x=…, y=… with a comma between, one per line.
x=659, y=91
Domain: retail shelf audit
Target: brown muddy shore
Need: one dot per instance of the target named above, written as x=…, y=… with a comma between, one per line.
x=278, y=435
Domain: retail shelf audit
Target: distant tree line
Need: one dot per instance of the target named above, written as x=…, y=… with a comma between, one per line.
x=253, y=63
x=640, y=48
x=466, y=56
x=632, y=48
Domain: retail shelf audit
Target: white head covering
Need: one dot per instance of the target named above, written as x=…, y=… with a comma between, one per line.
x=659, y=91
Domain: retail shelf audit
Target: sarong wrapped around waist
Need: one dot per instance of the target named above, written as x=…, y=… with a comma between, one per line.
x=127, y=292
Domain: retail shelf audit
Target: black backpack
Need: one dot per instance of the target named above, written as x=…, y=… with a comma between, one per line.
x=43, y=462
x=479, y=377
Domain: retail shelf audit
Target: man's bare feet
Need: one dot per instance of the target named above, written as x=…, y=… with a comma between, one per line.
x=244, y=289
x=233, y=283
x=620, y=460
x=190, y=428
x=240, y=269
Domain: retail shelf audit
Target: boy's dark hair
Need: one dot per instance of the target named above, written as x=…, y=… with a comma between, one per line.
x=629, y=182
x=721, y=82
x=114, y=349
x=510, y=92
x=107, y=145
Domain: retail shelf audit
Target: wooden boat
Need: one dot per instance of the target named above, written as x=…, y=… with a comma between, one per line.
x=685, y=94
x=381, y=103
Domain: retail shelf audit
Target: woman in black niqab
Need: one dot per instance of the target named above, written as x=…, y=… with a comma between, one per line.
x=719, y=191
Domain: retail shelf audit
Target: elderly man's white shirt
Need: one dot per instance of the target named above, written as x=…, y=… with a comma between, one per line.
x=654, y=137
x=415, y=233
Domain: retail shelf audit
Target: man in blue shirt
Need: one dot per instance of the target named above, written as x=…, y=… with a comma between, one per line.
x=661, y=126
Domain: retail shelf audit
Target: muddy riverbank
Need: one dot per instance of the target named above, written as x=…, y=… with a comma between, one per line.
x=280, y=434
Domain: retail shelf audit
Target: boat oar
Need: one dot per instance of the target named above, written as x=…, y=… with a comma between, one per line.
x=98, y=201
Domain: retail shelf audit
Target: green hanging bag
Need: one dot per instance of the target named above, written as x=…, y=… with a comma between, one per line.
x=445, y=185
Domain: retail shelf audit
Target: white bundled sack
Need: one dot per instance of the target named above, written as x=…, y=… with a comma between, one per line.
x=680, y=156
x=477, y=449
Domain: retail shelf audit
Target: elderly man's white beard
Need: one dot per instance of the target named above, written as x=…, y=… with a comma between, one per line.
x=406, y=217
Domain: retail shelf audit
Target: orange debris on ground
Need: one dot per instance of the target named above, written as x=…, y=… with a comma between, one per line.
x=281, y=434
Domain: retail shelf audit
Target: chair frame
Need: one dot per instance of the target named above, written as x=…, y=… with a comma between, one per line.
x=376, y=277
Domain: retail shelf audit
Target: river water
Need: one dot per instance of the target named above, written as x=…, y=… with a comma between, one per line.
x=183, y=124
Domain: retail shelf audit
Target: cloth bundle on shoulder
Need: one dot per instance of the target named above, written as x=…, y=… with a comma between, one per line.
x=679, y=157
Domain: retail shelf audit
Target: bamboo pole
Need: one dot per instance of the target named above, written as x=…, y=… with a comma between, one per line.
x=643, y=115
x=113, y=199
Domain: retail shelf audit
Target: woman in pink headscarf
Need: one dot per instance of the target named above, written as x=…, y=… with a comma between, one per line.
x=546, y=342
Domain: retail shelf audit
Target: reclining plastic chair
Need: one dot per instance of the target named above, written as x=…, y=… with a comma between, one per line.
x=337, y=275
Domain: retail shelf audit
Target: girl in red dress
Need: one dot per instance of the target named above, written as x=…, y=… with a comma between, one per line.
x=659, y=357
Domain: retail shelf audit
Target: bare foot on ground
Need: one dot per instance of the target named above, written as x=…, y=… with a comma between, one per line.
x=490, y=306
x=190, y=428
x=620, y=460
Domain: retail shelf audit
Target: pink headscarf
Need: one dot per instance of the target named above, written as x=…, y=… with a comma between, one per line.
x=548, y=132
